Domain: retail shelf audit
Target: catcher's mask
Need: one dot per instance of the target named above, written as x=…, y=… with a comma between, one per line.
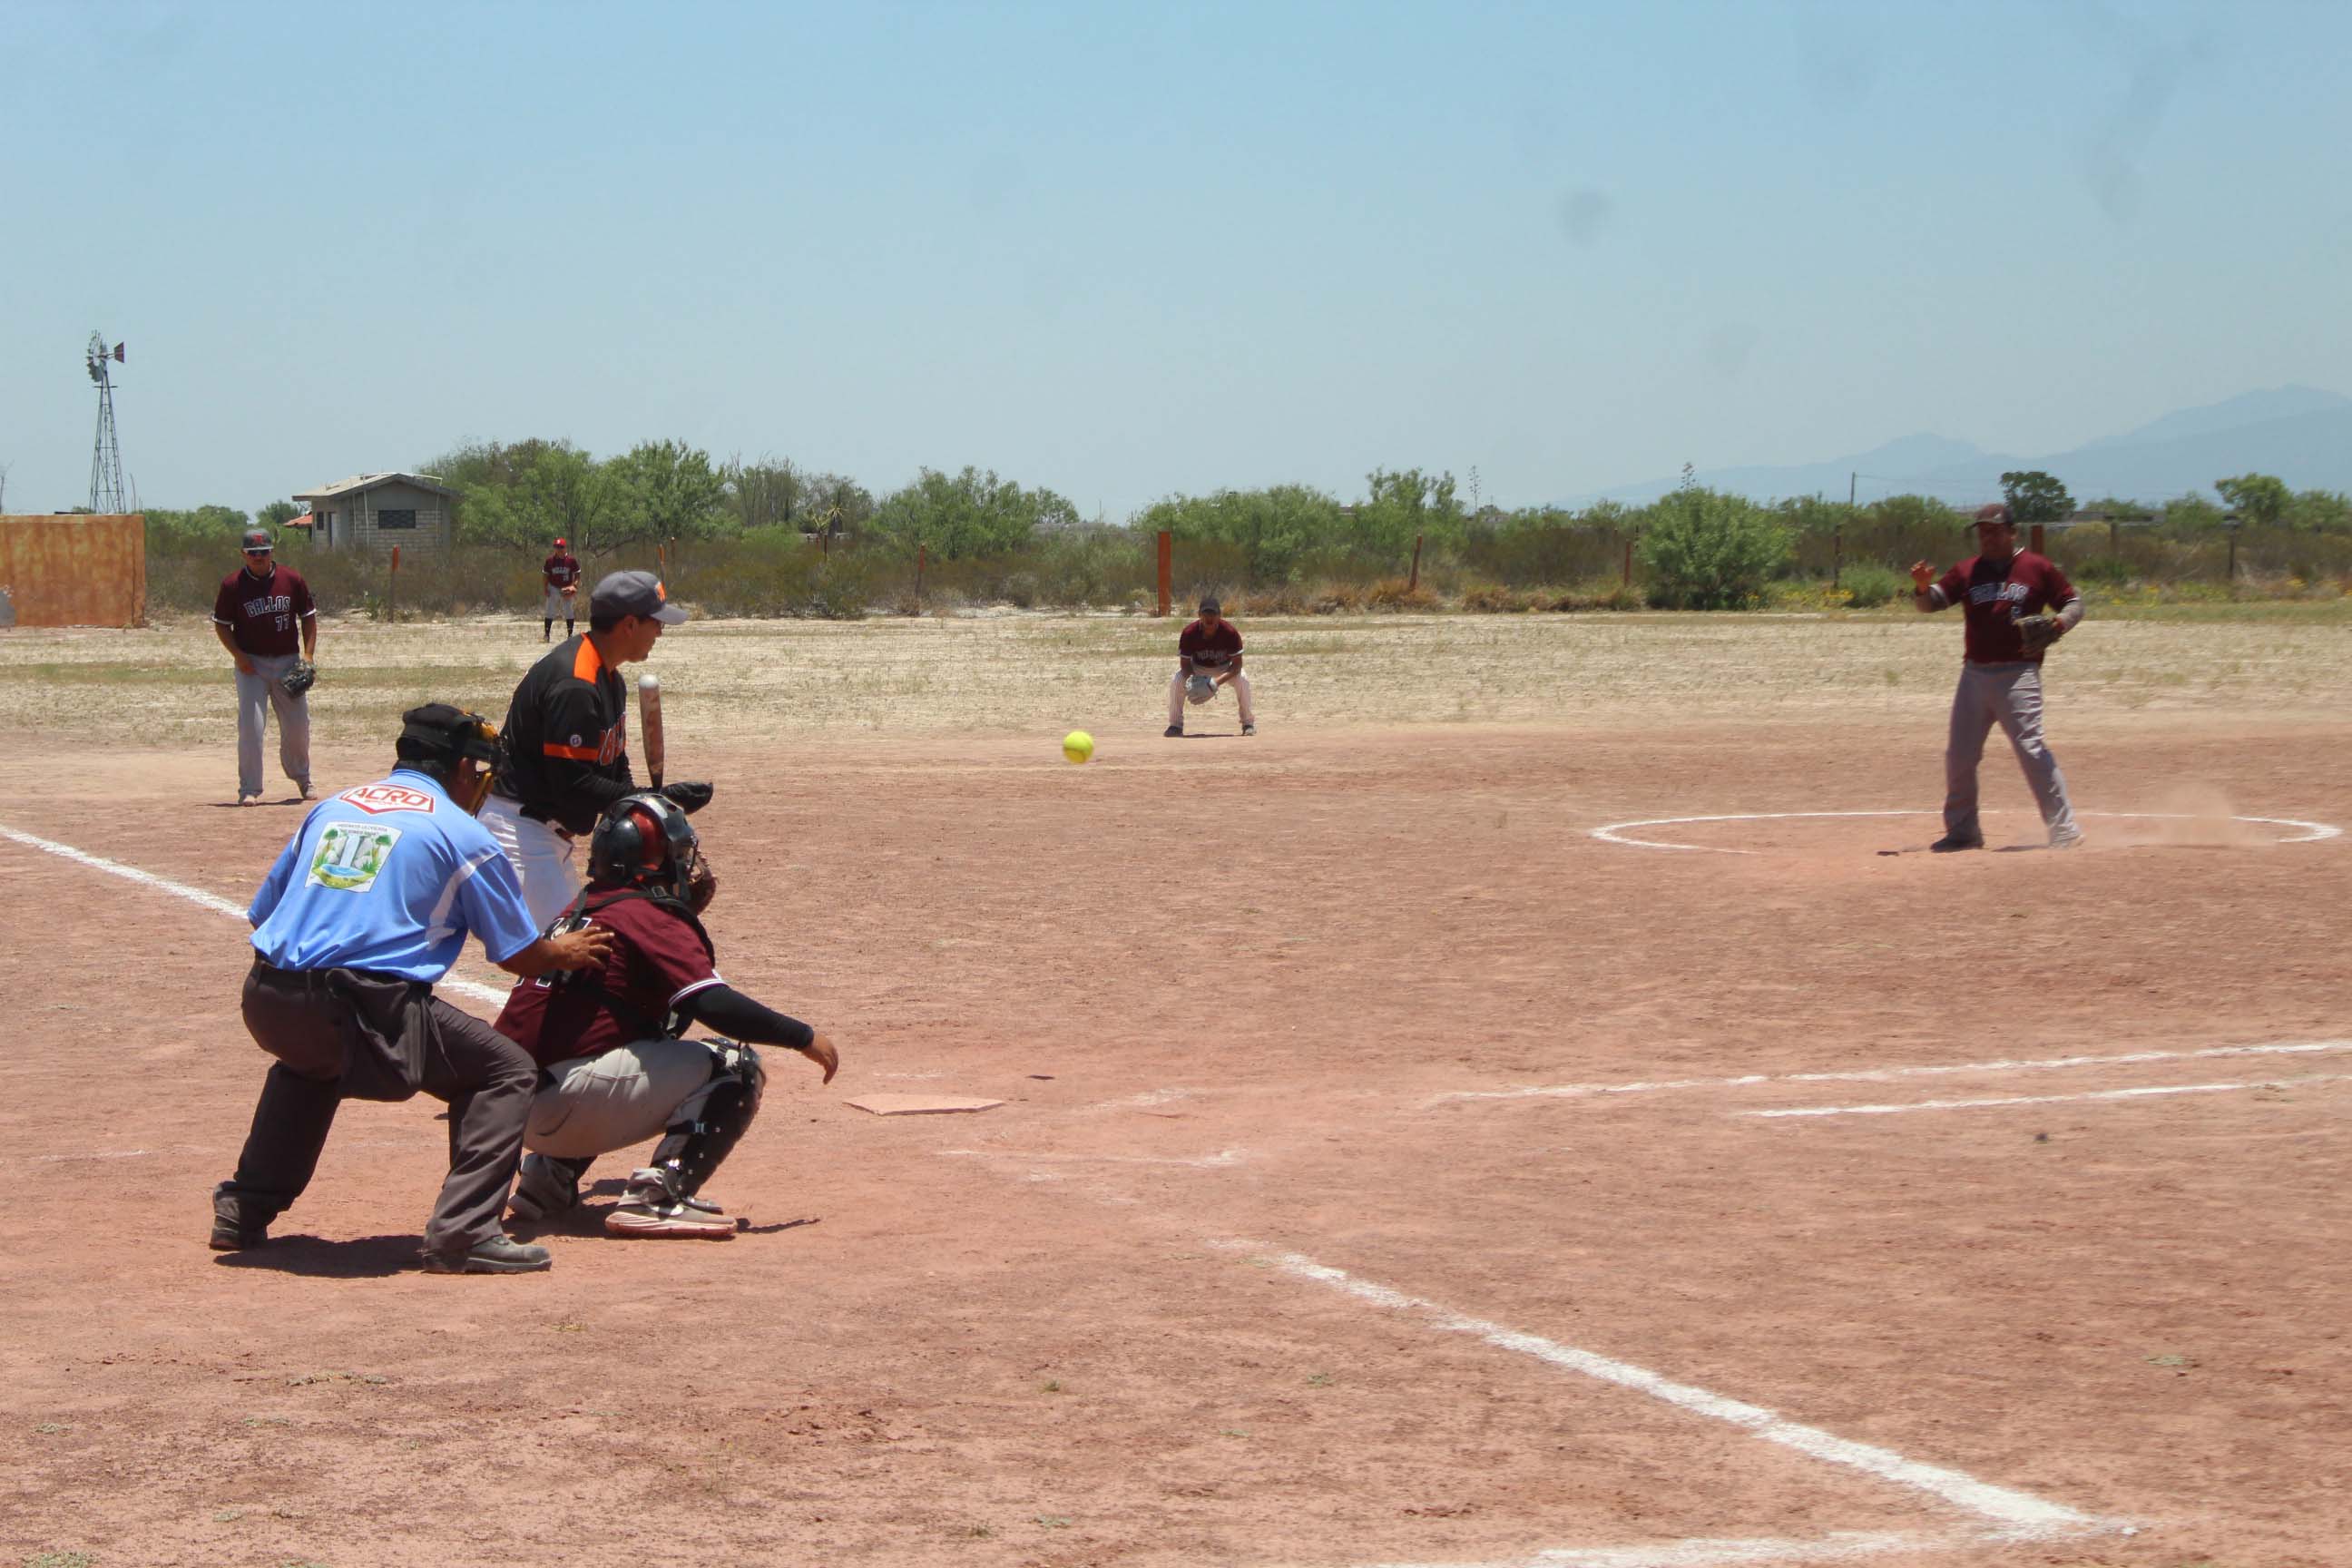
x=441, y=739
x=645, y=841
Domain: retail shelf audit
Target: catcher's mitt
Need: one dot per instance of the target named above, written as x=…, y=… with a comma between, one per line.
x=2038, y=632
x=1200, y=688
x=703, y=886
x=301, y=678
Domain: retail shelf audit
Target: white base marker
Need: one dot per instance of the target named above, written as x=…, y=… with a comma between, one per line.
x=2147, y=1093
x=1890, y=1075
x=2015, y=1515
x=198, y=897
x=1615, y=832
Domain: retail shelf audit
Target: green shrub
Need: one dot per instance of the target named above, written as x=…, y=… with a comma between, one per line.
x=1706, y=551
x=1867, y=587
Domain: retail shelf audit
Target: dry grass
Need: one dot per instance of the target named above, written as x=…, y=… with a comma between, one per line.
x=740, y=680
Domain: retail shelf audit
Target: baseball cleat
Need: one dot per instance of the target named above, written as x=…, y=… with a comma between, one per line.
x=1249, y=729
x=544, y=1187
x=2067, y=841
x=650, y=1207
x=234, y=1235
x=500, y=1255
x=253, y=799
x=308, y=793
x=1174, y=731
x=1949, y=843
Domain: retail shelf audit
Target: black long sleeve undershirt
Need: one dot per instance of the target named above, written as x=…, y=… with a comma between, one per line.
x=737, y=1016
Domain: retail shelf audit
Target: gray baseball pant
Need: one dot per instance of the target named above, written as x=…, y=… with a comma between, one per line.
x=2009, y=695
x=256, y=695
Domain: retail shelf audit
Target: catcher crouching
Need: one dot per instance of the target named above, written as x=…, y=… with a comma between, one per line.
x=616, y=1069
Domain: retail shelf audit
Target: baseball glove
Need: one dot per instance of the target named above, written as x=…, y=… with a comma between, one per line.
x=702, y=886
x=2038, y=632
x=1200, y=688
x=570, y=589
x=301, y=679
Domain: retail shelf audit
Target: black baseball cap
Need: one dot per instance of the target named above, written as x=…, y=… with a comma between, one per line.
x=1209, y=606
x=632, y=594
x=257, y=541
x=1996, y=511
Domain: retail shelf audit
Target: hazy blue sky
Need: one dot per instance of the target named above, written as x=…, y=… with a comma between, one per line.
x=1124, y=251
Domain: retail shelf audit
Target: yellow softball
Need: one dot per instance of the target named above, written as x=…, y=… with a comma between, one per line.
x=1078, y=746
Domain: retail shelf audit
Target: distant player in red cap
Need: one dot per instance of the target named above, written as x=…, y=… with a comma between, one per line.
x=2016, y=604
x=561, y=569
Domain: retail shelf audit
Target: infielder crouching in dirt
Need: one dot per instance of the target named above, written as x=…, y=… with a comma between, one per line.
x=367, y=906
x=1208, y=656
x=2016, y=604
x=614, y=1068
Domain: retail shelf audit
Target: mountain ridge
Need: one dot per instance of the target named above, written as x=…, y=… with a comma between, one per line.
x=2302, y=433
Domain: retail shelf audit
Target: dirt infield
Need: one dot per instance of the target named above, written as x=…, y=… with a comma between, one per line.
x=1389, y=1170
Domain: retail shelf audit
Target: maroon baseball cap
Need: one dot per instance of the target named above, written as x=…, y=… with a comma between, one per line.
x=1996, y=511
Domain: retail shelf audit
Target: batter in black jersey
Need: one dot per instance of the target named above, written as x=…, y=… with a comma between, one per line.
x=565, y=753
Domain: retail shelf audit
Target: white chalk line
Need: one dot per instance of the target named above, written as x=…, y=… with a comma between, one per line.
x=1614, y=833
x=1838, y=1546
x=2009, y=1514
x=198, y=897
x=2145, y=1093
x=1887, y=1075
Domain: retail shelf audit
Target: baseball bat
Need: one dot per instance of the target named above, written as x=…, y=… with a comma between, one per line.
x=649, y=718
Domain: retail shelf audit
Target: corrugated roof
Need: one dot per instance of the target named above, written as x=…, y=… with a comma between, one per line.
x=359, y=482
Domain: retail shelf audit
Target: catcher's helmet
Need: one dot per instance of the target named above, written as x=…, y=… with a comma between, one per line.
x=644, y=841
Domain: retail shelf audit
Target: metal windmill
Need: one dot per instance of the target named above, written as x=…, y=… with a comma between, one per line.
x=106, y=455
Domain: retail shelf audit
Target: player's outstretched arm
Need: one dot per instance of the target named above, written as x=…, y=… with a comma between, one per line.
x=728, y=1011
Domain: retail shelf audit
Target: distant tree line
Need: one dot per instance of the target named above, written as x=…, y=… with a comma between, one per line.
x=984, y=536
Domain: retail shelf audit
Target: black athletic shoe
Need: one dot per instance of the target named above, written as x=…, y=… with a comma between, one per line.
x=1949, y=843
x=1174, y=731
x=237, y=1235
x=1249, y=729
x=500, y=1255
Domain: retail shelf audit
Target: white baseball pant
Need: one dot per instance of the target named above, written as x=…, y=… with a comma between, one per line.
x=1237, y=679
x=544, y=860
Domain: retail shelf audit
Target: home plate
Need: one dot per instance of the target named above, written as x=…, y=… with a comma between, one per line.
x=920, y=1104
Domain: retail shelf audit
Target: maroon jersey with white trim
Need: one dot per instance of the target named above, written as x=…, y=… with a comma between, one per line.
x=663, y=957
x=1207, y=649
x=1992, y=595
x=263, y=614
x=561, y=569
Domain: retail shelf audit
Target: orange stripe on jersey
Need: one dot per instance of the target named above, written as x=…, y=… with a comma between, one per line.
x=577, y=753
x=587, y=664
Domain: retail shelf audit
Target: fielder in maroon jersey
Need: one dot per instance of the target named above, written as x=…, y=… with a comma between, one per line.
x=2000, y=675
x=260, y=615
x=560, y=572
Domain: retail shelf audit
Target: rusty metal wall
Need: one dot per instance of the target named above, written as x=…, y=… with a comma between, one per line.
x=74, y=571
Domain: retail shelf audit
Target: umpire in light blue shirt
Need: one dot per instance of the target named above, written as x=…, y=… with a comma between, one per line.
x=370, y=904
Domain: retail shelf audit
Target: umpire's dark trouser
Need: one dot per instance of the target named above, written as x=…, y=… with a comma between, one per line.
x=342, y=1035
